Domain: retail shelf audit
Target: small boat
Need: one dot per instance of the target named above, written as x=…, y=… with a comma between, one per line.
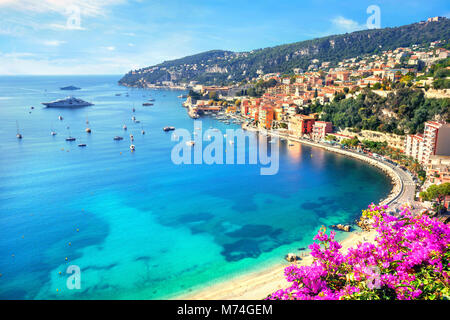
x=117, y=138
x=18, y=135
x=151, y=99
x=134, y=109
x=70, y=138
x=53, y=133
x=131, y=137
x=88, y=130
x=168, y=128
x=145, y=104
x=143, y=132
x=118, y=94
x=82, y=145
x=132, y=147
x=124, y=127
x=60, y=118
x=133, y=118
x=190, y=143
x=137, y=121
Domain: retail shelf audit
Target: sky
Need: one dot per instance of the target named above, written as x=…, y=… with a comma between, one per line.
x=41, y=37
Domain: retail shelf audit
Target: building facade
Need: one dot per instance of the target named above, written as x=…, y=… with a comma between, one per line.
x=320, y=130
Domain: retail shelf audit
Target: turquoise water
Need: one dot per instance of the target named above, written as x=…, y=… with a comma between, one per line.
x=137, y=225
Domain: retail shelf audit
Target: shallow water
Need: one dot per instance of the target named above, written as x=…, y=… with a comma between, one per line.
x=137, y=225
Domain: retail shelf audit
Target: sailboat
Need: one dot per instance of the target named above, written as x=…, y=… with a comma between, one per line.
x=142, y=126
x=18, y=135
x=70, y=138
x=53, y=132
x=88, y=130
x=132, y=147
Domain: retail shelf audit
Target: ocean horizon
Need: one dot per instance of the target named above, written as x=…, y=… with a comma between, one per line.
x=137, y=225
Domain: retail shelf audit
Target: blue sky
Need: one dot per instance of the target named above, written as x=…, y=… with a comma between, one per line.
x=114, y=36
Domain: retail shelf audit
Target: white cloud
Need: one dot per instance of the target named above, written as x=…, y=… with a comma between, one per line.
x=342, y=24
x=112, y=61
x=85, y=7
x=53, y=43
x=17, y=55
x=55, y=26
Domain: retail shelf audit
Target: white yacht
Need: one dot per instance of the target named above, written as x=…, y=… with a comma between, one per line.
x=69, y=102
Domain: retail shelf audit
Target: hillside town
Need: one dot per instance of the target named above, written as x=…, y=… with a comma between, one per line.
x=284, y=105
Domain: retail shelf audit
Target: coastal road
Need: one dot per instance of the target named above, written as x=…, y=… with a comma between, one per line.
x=408, y=191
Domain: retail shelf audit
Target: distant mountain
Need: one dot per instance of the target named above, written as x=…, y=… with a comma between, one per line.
x=219, y=67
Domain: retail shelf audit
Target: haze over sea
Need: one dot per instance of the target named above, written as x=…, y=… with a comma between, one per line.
x=137, y=225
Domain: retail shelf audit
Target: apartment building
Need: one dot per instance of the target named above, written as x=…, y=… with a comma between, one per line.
x=320, y=130
x=434, y=141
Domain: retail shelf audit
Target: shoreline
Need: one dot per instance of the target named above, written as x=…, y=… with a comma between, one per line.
x=154, y=86
x=256, y=285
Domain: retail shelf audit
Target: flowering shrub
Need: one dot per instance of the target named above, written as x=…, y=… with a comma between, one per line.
x=410, y=260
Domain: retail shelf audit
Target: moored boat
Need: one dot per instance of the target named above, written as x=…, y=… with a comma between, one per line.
x=18, y=135
x=69, y=102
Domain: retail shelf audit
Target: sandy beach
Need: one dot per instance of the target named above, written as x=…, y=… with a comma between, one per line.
x=257, y=285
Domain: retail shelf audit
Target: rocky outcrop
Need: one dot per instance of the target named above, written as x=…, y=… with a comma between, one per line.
x=341, y=227
x=364, y=223
x=292, y=257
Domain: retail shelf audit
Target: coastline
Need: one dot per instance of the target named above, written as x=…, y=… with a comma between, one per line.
x=154, y=86
x=257, y=285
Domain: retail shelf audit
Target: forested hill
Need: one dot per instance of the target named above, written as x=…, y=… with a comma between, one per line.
x=220, y=67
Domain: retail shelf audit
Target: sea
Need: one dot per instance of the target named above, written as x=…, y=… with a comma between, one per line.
x=103, y=222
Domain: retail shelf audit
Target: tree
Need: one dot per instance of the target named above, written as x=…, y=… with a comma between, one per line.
x=438, y=192
x=213, y=95
x=376, y=86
